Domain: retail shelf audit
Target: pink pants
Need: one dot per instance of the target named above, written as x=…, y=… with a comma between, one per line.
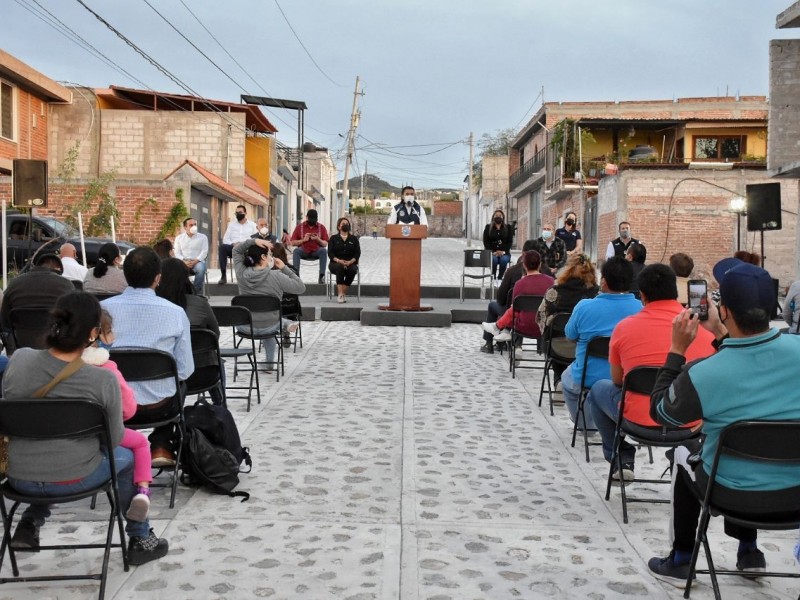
x=137, y=442
x=506, y=319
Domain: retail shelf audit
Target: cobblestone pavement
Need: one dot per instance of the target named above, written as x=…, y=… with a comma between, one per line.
x=402, y=463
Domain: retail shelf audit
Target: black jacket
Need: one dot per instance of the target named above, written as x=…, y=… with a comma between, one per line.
x=495, y=239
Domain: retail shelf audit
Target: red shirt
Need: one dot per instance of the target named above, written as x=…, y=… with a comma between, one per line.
x=303, y=228
x=644, y=339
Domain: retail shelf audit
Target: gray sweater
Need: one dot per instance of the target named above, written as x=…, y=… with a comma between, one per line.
x=59, y=460
x=264, y=282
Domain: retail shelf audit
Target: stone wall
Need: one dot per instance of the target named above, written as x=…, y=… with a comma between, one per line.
x=783, y=143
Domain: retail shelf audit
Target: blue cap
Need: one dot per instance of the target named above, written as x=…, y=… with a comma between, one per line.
x=725, y=265
x=745, y=287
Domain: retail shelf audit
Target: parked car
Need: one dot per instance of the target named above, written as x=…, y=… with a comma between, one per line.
x=45, y=235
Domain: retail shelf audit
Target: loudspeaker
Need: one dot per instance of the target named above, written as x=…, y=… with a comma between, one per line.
x=29, y=183
x=763, y=206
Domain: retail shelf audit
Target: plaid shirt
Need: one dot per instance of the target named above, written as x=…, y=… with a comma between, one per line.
x=553, y=257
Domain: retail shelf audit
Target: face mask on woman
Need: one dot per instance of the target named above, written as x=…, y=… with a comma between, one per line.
x=345, y=228
x=498, y=220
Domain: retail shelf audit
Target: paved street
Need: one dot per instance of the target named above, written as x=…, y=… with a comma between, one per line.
x=398, y=463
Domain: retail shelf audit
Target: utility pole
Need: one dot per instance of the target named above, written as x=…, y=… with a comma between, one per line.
x=355, y=115
x=363, y=200
x=469, y=192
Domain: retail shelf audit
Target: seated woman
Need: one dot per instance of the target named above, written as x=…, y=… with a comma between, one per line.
x=576, y=281
x=343, y=252
x=253, y=262
x=164, y=249
x=176, y=287
x=60, y=467
x=636, y=254
x=106, y=277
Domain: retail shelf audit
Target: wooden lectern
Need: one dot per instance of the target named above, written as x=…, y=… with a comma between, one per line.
x=405, y=265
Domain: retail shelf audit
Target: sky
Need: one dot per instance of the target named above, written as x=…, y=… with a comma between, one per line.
x=431, y=71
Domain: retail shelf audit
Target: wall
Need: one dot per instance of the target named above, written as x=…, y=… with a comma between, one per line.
x=784, y=109
x=31, y=129
x=494, y=181
x=443, y=208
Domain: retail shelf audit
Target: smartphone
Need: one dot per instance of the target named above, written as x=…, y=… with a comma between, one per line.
x=698, y=297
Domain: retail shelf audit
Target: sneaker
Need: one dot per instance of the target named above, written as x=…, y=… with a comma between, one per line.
x=222, y=281
x=497, y=283
x=139, y=508
x=322, y=280
x=142, y=550
x=503, y=336
x=340, y=300
x=749, y=561
x=26, y=537
x=488, y=348
x=491, y=328
x=292, y=327
x=666, y=570
x=627, y=472
x=162, y=458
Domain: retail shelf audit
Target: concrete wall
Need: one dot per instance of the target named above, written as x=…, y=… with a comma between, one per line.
x=494, y=181
x=784, y=108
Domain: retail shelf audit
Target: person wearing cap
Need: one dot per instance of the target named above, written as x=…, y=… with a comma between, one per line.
x=752, y=379
x=408, y=212
x=310, y=239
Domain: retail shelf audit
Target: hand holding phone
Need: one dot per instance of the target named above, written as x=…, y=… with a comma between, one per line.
x=698, y=297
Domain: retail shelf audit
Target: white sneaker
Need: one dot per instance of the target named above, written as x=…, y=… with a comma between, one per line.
x=340, y=300
x=491, y=328
x=139, y=508
x=503, y=336
x=497, y=283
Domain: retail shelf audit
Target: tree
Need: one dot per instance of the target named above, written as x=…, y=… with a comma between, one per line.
x=497, y=144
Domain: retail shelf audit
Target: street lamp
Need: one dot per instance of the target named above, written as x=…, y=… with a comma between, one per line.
x=739, y=206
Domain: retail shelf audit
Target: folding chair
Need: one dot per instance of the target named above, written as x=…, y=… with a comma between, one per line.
x=477, y=259
x=29, y=327
x=524, y=304
x=43, y=419
x=596, y=348
x=332, y=285
x=140, y=365
x=205, y=377
x=292, y=310
x=262, y=304
x=239, y=316
x=767, y=442
x=558, y=350
x=77, y=284
x=641, y=380
x=102, y=296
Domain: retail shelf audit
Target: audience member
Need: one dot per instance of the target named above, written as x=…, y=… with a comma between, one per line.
x=238, y=231
x=40, y=287
x=618, y=246
x=143, y=320
x=751, y=378
x=164, y=249
x=497, y=237
x=192, y=248
x=552, y=249
x=53, y=468
x=570, y=235
x=72, y=268
x=576, y=281
x=594, y=318
x=310, y=239
x=748, y=257
x=791, y=307
x=106, y=277
x=262, y=231
x=683, y=265
x=636, y=254
x=642, y=339
x=344, y=251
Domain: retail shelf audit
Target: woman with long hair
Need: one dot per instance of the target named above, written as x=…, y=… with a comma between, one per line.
x=107, y=276
x=344, y=251
x=575, y=282
x=497, y=237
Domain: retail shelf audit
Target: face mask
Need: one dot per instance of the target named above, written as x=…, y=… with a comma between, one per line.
x=102, y=344
x=498, y=220
x=570, y=222
x=263, y=231
x=193, y=229
x=408, y=198
x=546, y=235
x=270, y=262
x=624, y=234
x=240, y=216
x=312, y=221
x=345, y=227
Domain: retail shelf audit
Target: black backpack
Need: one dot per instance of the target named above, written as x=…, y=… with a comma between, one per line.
x=212, y=451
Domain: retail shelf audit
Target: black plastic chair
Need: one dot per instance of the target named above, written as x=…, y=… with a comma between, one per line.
x=767, y=442
x=29, y=327
x=77, y=284
x=641, y=380
x=239, y=316
x=140, y=365
x=262, y=304
x=292, y=310
x=207, y=374
x=332, y=285
x=558, y=350
x=524, y=304
x=596, y=348
x=45, y=419
x=103, y=296
x=477, y=259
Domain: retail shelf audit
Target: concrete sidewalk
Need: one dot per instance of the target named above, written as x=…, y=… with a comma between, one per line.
x=402, y=463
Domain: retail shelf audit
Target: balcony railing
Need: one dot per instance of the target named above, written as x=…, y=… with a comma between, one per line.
x=530, y=167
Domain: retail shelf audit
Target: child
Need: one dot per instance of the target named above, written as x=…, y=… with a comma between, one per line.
x=97, y=354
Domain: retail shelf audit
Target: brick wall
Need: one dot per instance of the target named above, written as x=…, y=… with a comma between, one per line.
x=452, y=208
x=31, y=124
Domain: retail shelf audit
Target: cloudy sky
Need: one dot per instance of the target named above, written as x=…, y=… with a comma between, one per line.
x=432, y=70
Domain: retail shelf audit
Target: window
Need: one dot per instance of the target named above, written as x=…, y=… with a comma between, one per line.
x=723, y=148
x=6, y=110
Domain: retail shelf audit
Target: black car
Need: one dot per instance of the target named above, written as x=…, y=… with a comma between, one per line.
x=45, y=235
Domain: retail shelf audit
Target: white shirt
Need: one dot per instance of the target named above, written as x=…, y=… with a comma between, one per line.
x=239, y=232
x=192, y=247
x=423, y=219
x=73, y=269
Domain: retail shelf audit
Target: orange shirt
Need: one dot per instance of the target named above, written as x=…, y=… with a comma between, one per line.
x=644, y=339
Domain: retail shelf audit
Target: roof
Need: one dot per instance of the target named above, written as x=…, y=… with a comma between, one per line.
x=213, y=184
x=133, y=99
x=789, y=17
x=29, y=78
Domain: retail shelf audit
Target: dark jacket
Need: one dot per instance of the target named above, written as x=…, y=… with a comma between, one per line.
x=345, y=249
x=563, y=297
x=554, y=256
x=495, y=239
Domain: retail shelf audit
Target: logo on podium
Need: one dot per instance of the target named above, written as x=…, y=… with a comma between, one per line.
x=406, y=230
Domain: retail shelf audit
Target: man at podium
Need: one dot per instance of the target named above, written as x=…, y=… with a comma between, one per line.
x=408, y=211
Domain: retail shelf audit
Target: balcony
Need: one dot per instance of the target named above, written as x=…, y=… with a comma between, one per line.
x=530, y=169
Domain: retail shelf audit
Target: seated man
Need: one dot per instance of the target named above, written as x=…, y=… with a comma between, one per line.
x=754, y=378
x=192, y=248
x=41, y=286
x=72, y=269
x=262, y=231
x=640, y=340
x=310, y=239
x=594, y=318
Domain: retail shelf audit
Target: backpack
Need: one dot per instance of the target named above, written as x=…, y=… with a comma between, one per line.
x=212, y=452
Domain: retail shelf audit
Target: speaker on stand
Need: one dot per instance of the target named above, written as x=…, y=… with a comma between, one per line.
x=764, y=214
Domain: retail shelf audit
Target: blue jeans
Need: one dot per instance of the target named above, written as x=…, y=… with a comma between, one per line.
x=602, y=404
x=199, y=277
x=320, y=254
x=38, y=513
x=572, y=391
x=270, y=345
x=500, y=263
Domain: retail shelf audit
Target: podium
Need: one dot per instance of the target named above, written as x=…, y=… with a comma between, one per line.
x=405, y=265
